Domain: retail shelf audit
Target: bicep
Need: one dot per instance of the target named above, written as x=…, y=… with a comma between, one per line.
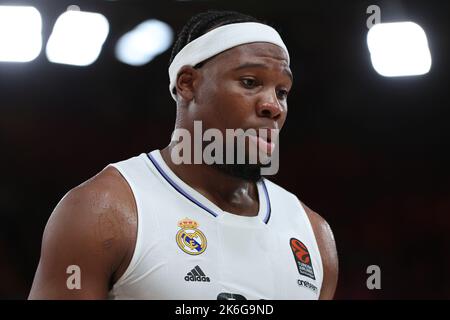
x=73, y=262
x=328, y=252
x=330, y=264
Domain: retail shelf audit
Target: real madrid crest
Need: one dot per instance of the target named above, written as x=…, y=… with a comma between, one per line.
x=189, y=238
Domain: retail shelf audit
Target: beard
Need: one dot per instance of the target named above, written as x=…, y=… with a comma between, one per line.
x=246, y=171
x=249, y=172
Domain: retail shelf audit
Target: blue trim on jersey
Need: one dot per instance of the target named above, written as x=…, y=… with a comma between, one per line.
x=189, y=197
x=177, y=187
x=269, y=208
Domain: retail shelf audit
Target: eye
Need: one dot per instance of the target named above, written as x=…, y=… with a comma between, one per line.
x=249, y=82
x=282, y=94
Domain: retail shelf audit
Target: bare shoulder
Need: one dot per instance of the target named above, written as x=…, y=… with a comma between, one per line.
x=104, y=203
x=327, y=247
x=107, y=202
x=93, y=227
x=106, y=196
x=322, y=229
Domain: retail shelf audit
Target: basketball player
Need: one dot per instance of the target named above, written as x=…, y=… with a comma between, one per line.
x=148, y=228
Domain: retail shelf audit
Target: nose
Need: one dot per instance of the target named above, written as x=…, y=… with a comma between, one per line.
x=269, y=106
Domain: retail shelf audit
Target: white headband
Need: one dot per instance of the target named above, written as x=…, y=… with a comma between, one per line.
x=219, y=40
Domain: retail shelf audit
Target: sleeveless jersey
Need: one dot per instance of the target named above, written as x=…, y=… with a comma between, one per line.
x=188, y=248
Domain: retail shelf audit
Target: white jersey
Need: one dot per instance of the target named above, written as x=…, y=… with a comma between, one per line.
x=188, y=248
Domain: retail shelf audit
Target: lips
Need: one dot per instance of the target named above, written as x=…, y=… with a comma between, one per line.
x=263, y=145
x=263, y=139
x=268, y=134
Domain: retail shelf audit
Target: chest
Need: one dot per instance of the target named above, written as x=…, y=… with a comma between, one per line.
x=194, y=256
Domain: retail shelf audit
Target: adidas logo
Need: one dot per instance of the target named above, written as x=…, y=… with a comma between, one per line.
x=196, y=274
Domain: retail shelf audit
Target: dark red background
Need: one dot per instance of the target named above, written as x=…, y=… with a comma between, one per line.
x=370, y=154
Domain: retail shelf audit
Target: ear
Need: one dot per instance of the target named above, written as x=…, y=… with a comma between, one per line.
x=186, y=83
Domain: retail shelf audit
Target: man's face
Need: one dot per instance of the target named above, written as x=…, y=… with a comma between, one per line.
x=245, y=87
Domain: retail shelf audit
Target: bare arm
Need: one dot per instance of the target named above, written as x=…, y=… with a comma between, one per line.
x=94, y=228
x=328, y=252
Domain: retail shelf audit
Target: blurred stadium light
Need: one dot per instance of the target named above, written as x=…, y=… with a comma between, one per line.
x=20, y=33
x=77, y=38
x=399, y=49
x=140, y=45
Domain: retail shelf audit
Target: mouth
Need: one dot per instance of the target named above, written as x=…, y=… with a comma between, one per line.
x=264, y=146
x=268, y=134
x=264, y=140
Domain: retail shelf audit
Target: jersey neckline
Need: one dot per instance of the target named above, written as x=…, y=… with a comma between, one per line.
x=200, y=200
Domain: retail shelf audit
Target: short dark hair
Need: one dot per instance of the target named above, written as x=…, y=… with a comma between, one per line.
x=205, y=21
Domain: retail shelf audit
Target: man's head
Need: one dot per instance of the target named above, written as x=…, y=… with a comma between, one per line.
x=244, y=87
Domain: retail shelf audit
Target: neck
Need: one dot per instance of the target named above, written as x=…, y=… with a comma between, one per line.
x=230, y=193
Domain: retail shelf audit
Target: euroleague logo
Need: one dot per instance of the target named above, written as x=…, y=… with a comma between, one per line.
x=302, y=258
